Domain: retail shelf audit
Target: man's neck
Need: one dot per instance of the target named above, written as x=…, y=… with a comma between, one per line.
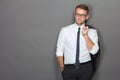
x=80, y=24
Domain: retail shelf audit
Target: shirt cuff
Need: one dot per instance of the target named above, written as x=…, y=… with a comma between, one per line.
x=59, y=53
x=94, y=50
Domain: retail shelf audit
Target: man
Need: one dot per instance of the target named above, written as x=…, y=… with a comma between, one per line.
x=76, y=43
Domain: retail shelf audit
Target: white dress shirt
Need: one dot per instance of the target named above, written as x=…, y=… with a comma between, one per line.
x=67, y=40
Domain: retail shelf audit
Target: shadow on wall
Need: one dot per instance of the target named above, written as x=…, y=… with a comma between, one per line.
x=100, y=54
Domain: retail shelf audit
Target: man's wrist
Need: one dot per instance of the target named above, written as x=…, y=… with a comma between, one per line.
x=61, y=67
x=84, y=34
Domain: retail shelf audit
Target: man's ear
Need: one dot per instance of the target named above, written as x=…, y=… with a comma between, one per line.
x=87, y=17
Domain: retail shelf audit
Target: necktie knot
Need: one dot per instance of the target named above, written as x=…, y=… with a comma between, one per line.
x=78, y=29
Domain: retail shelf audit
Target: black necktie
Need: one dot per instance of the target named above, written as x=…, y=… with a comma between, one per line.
x=77, y=49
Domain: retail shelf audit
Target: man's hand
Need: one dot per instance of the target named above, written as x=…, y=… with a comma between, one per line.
x=85, y=30
x=61, y=69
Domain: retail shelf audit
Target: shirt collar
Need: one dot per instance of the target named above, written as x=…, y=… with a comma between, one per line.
x=76, y=26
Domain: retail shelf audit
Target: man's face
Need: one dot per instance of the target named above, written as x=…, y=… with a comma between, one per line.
x=80, y=16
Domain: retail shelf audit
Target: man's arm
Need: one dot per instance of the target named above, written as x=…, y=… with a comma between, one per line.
x=89, y=42
x=60, y=62
x=60, y=49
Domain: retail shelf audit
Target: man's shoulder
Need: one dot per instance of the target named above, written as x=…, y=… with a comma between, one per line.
x=68, y=27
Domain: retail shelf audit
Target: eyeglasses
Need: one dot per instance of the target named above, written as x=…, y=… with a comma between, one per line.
x=80, y=15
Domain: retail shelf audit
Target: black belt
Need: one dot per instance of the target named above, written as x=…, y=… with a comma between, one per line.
x=71, y=65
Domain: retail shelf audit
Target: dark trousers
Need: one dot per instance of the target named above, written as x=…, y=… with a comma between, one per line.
x=83, y=73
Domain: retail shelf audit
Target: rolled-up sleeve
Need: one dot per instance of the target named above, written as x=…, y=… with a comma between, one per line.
x=94, y=38
x=60, y=43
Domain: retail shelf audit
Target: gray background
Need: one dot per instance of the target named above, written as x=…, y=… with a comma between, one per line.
x=29, y=30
